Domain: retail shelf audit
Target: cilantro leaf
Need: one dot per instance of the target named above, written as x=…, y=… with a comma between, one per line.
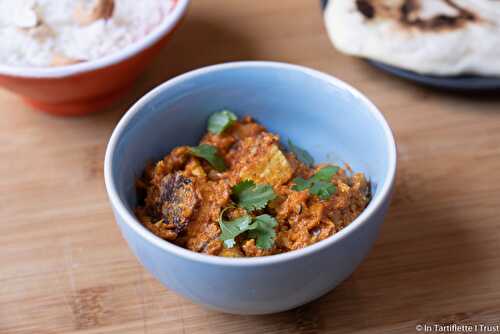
x=209, y=153
x=301, y=184
x=262, y=230
x=325, y=173
x=231, y=229
x=301, y=154
x=323, y=189
x=220, y=121
x=319, y=184
x=243, y=186
x=253, y=197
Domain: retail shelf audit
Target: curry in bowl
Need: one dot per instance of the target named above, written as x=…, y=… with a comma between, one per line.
x=240, y=193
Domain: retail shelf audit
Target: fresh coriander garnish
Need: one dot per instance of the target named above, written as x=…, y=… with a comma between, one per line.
x=220, y=121
x=301, y=184
x=323, y=189
x=319, y=184
x=209, y=153
x=325, y=173
x=231, y=229
x=301, y=154
x=260, y=228
x=251, y=196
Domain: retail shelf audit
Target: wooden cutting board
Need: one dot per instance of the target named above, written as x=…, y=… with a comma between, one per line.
x=65, y=268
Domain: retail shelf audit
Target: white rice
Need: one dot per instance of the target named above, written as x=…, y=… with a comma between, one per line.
x=131, y=21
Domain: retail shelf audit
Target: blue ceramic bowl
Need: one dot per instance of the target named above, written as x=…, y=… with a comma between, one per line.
x=332, y=120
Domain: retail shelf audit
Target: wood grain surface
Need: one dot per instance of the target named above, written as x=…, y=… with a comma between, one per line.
x=65, y=268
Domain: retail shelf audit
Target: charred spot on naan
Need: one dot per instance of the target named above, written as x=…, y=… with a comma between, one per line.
x=366, y=8
x=438, y=22
x=406, y=13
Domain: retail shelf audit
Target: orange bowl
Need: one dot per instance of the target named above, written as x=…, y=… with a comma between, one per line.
x=90, y=86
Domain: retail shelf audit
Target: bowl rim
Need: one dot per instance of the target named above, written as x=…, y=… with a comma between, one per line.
x=168, y=24
x=133, y=223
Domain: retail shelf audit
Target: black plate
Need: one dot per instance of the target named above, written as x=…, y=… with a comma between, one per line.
x=458, y=83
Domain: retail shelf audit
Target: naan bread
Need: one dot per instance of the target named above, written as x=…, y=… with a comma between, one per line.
x=441, y=37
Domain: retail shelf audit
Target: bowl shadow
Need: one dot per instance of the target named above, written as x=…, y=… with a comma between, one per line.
x=414, y=272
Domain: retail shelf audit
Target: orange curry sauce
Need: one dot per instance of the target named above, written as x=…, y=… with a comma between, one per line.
x=182, y=196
